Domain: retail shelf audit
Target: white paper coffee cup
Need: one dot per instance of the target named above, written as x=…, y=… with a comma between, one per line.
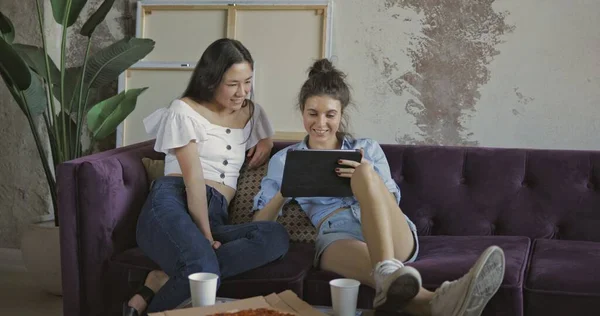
x=344, y=293
x=203, y=288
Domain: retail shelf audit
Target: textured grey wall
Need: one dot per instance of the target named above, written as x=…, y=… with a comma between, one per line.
x=504, y=73
x=23, y=189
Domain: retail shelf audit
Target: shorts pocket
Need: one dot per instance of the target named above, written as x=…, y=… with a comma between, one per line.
x=337, y=223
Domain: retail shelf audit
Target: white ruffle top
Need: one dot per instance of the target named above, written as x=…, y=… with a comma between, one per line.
x=221, y=150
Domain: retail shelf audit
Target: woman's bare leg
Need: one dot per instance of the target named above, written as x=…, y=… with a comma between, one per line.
x=350, y=258
x=381, y=216
x=387, y=235
x=155, y=280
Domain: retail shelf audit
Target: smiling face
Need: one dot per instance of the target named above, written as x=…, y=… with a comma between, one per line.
x=322, y=116
x=234, y=87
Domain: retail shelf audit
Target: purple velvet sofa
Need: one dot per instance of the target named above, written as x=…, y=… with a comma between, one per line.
x=541, y=206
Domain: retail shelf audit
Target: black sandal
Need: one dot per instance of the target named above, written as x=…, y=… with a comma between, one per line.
x=146, y=293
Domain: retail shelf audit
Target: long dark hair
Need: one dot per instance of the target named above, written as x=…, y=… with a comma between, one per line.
x=218, y=57
x=325, y=79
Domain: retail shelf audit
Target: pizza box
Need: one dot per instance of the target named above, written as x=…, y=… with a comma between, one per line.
x=286, y=302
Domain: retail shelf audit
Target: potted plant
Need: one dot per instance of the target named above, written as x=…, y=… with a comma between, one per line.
x=55, y=100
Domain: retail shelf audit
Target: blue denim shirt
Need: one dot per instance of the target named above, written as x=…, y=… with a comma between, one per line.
x=317, y=208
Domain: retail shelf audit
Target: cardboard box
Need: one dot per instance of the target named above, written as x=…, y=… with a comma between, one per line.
x=287, y=302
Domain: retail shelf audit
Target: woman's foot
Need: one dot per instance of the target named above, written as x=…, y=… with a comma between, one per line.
x=469, y=295
x=154, y=281
x=395, y=285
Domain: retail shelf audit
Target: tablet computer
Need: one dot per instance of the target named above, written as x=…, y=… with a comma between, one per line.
x=311, y=173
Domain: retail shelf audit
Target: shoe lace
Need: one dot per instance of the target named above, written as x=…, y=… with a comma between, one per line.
x=387, y=267
x=446, y=287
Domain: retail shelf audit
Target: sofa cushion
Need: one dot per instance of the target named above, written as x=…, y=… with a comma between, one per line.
x=277, y=276
x=285, y=274
x=293, y=218
x=562, y=278
x=444, y=258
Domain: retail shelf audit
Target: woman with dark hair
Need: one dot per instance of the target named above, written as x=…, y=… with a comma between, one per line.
x=367, y=236
x=183, y=225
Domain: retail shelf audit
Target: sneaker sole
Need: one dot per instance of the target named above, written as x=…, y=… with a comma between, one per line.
x=489, y=273
x=401, y=291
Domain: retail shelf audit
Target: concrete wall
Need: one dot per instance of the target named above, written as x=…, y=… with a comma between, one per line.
x=24, y=194
x=504, y=73
x=23, y=189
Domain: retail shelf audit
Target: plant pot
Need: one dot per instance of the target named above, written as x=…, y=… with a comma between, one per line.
x=40, y=246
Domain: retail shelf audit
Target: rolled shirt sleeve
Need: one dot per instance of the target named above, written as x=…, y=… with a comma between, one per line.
x=271, y=183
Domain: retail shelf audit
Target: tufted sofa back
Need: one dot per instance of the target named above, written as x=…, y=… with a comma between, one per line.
x=460, y=191
x=492, y=191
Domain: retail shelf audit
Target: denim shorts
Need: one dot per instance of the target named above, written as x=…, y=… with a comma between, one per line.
x=344, y=225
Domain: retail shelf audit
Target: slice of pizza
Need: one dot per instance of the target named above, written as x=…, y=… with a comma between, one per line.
x=254, y=312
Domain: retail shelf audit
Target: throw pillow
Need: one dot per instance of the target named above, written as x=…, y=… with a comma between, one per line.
x=240, y=210
x=154, y=168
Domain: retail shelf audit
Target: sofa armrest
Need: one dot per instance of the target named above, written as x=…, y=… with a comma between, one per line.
x=99, y=199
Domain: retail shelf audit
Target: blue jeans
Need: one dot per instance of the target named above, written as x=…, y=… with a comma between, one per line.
x=167, y=234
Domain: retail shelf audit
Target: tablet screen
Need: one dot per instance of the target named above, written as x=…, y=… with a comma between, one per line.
x=311, y=173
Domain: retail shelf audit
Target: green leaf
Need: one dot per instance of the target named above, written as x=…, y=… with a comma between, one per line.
x=59, y=10
x=71, y=86
x=104, y=117
x=13, y=67
x=16, y=95
x=96, y=18
x=34, y=57
x=36, y=95
x=106, y=65
x=7, y=29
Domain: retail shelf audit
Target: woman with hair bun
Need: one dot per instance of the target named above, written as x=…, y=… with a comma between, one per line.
x=367, y=237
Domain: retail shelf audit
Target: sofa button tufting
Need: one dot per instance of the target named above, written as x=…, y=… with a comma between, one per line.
x=463, y=180
x=430, y=222
x=590, y=186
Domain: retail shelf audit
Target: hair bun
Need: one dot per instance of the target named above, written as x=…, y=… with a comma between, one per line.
x=321, y=66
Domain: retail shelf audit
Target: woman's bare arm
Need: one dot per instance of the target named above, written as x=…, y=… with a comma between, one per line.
x=271, y=211
x=193, y=176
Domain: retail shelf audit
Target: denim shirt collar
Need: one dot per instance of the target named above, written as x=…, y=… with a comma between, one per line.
x=345, y=143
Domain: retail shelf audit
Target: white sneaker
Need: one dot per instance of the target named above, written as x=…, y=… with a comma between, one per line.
x=469, y=295
x=395, y=285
